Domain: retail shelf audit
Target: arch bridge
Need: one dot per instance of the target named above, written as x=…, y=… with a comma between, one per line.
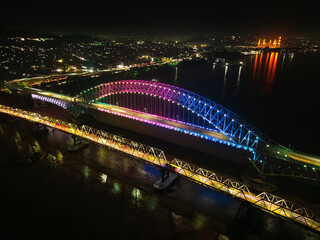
x=182, y=110
x=177, y=104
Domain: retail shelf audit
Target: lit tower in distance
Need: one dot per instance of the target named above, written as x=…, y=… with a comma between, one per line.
x=279, y=42
x=271, y=44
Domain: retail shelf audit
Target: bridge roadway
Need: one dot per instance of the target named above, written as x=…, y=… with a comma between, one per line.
x=140, y=116
x=197, y=131
x=264, y=201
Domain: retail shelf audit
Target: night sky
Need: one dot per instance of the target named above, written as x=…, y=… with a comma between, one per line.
x=163, y=17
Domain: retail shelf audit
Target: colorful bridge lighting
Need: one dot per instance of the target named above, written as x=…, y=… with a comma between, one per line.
x=264, y=201
x=216, y=116
x=217, y=123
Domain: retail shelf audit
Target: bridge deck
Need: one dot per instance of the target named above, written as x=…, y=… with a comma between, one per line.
x=151, y=155
x=161, y=121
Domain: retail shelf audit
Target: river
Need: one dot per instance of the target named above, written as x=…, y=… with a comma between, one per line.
x=275, y=91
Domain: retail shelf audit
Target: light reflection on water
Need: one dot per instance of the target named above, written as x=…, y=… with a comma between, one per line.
x=36, y=146
x=18, y=141
x=59, y=156
x=139, y=200
x=152, y=202
x=136, y=193
x=199, y=221
x=86, y=171
x=103, y=178
x=178, y=220
x=102, y=154
x=116, y=187
x=264, y=69
x=2, y=134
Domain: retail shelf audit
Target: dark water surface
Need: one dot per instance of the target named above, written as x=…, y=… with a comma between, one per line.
x=275, y=91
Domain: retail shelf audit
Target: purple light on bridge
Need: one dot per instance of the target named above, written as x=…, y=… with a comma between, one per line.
x=60, y=103
x=216, y=116
x=178, y=129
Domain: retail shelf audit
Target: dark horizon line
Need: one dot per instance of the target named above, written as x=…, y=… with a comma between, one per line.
x=101, y=33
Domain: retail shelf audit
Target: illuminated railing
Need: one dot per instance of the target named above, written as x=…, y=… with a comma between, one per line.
x=142, y=151
x=222, y=139
x=58, y=102
x=264, y=201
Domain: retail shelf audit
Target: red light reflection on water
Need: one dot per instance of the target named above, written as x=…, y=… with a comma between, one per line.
x=264, y=69
x=255, y=67
x=274, y=66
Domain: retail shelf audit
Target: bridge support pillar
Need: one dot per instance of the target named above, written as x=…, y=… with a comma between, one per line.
x=166, y=179
x=76, y=140
x=41, y=128
x=76, y=110
x=38, y=103
x=78, y=143
x=258, y=161
x=164, y=174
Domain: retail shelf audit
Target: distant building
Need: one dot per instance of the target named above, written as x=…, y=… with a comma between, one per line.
x=271, y=44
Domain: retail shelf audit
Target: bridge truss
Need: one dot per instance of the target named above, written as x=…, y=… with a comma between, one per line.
x=264, y=201
x=172, y=100
x=139, y=150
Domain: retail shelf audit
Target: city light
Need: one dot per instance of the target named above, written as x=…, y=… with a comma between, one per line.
x=269, y=44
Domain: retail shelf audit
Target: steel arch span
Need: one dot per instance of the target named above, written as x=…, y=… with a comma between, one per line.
x=218, y=117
